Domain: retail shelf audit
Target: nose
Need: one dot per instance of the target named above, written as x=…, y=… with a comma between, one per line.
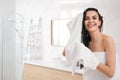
x=90, y=20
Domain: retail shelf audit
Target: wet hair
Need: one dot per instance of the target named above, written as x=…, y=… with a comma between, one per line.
x=85, y=36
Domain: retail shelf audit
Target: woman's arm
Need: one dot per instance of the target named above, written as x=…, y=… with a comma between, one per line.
x=109, y=67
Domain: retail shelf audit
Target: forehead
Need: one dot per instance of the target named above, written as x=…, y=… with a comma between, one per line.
x=91, y=13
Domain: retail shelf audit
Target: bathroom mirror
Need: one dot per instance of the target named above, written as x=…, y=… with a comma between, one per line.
x=59, y=32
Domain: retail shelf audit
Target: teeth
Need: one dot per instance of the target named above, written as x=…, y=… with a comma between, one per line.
x=90, y=25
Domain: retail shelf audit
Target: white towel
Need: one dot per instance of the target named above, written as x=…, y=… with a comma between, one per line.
x=74, y=27
x=84, y=54
x=75, y=50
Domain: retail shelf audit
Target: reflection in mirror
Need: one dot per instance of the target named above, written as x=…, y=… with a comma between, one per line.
x=59, y=32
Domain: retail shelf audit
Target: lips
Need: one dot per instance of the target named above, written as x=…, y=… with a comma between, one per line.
x=91, y=25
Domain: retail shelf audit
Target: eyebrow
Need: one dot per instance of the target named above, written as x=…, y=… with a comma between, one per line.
x=93, y=16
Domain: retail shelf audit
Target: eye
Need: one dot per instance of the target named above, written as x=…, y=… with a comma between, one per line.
x=94, y=17
x=86, y=18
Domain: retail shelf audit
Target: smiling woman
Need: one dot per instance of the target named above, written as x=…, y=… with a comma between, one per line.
x=101, y=61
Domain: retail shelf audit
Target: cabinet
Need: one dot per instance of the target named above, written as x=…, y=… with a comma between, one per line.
x=33, y=72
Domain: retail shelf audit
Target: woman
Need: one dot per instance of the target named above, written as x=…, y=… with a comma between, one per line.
x=100, y=44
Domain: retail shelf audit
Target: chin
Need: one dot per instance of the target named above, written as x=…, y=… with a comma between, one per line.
x=91, y=30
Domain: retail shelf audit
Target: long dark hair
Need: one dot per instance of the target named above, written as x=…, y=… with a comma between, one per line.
x=85, y=36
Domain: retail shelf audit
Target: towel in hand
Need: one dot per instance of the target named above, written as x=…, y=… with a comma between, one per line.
x=75, y=50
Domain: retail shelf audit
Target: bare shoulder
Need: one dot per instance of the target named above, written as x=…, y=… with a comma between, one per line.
x=107, y=39
x=108, y=42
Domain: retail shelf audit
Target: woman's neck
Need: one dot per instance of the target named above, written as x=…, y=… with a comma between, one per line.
x=95, y=36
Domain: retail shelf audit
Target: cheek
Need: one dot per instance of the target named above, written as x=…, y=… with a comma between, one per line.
x=99, y=23
x=85, y=23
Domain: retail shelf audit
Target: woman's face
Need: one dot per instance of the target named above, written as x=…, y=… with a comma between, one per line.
x=92, y=21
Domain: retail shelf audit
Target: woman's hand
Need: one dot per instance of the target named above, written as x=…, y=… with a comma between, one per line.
x=64, y=54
